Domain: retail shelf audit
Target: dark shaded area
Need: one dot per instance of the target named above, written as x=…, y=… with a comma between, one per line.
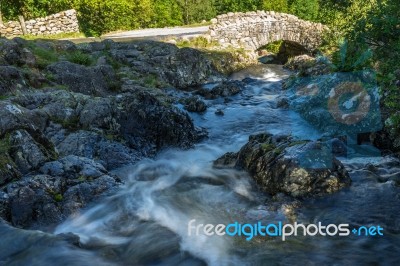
x=287, y=50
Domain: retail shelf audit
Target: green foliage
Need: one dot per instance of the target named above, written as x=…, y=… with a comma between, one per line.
x=101, y=16
x=58, y=197
x=80, y=58
x=32, y=8
x=351, y=58
x=69, y=35
x=272, y=47
x=225, y=6
x=5, y=146
x=167, y=13
x=44, y=57
x=198, y=42
x=197, y=10
x=266, y=147
x=70, y=124
x=276, y=5
x=305, y=9
x=372, y=28
x=151, y=81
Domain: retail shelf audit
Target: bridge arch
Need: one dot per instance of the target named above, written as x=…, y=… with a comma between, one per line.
x=253, y=30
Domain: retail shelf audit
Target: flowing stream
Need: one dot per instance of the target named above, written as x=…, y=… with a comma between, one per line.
x=146, y=221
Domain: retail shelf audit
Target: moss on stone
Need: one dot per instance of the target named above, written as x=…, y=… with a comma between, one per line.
x=230, y=60
x=5, y=146
x=44, y=57
x=58, y=197
x=71, y=124
x=266, y=147
x=299, y=142
x=80, y=58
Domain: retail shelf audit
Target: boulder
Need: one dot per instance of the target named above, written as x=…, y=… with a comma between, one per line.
x=11, y=80
x=12, y=52
x=279, y=164
x=22, y=146
x=29, y=153
x=188, y=68
x=338, y=104
x=195, y=104
x=306, y=65
x=282, y=102
x=224, y=89
x=109, y=153
x=181, y=68
x=62, y=188
x=96, y=81
x=142, y=119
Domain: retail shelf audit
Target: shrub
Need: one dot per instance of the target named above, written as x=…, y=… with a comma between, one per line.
x=80, y=58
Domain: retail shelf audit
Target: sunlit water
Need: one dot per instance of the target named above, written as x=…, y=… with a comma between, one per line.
x=146, y=221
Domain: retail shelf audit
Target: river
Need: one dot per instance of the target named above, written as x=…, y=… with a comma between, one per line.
x=146, y=221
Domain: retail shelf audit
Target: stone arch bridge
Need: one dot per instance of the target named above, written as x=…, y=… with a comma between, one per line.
x=253, y=30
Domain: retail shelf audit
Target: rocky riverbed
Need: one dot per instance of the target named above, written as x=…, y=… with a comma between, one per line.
x=111, y=148
x=73, y=113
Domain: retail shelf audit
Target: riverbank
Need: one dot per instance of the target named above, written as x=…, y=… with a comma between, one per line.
x=73, y=113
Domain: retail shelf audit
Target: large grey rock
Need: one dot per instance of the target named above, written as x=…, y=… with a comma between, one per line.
x=99, y=113
x=195, y=104
x=338, y=104
x=97, y=81
x=280, y=165
x=180, y=68
x=62, y=188
x=21, y=141
x=142, y=119
x=111, y=154
x=225, y=89
x=306, y=65
x=11, y=80
x=14, y=116
x=29, y=153
x=13, y=52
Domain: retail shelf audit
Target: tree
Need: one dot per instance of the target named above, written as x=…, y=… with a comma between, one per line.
x=143, y=12
x=167, y=13
x=197, y=10
x=275, y=5
x=225, y=6
x=305, y=9
x=33, y=8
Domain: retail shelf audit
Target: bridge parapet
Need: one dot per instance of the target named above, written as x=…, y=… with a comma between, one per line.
x=253, y=30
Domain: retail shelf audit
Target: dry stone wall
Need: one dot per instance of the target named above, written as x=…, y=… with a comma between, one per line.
x=63, y=22
x=253, y=30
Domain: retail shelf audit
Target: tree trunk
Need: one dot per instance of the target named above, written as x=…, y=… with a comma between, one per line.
x=23, y=26
x=187, y=11
x=1, y=13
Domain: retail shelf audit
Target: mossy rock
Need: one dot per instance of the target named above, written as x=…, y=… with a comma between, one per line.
x=8, y=170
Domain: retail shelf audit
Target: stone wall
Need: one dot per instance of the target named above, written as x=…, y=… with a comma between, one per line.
x=63, y=22
x=253, y=30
